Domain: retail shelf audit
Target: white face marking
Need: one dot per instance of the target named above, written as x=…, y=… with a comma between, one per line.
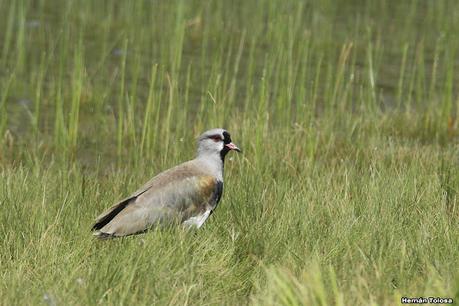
x=208, y=146
x=198, y=220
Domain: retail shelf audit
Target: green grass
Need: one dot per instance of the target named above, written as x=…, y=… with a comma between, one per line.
x=346, y=110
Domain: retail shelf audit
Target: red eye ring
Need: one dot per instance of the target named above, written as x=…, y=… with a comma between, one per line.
x=216, y=138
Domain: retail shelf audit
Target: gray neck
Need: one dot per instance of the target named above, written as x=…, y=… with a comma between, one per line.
x=213, y=163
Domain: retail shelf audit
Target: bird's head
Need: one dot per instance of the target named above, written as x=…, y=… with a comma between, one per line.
x=216, y=141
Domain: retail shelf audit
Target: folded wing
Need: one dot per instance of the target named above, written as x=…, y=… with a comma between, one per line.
x=171, y=197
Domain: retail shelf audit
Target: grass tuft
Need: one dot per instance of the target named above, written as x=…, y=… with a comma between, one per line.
x=347, y=192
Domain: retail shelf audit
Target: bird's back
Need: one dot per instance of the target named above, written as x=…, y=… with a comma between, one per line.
x=173, y=196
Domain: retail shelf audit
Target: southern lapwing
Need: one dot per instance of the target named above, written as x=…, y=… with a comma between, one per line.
x=186, y=194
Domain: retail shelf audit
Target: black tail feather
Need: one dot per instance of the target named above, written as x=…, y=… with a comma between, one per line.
x=112, y=214
x=103, y=236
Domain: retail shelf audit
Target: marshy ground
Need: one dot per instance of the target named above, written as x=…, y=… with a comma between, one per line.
x=346, y=110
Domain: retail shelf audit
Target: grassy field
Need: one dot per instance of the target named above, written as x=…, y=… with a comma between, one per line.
x=347, y=191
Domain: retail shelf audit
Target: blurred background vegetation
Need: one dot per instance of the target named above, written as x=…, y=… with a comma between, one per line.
x=129, y=79
x=346, y=110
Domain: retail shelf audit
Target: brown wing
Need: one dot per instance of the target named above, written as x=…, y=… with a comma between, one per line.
x=172, y=196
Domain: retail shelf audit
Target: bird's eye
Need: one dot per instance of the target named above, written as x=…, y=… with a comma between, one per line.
x=216, y=138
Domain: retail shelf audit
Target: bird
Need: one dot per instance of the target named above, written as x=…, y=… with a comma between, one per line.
x=186, y=194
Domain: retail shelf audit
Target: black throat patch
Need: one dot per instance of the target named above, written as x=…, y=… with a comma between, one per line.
x=226, y=140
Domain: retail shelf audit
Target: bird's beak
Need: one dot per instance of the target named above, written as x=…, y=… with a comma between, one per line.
x=232, y=146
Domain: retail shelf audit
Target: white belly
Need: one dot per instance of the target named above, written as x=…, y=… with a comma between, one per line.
x=198, y=220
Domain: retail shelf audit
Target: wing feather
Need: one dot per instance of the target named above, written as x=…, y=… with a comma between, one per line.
x=172, y=196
